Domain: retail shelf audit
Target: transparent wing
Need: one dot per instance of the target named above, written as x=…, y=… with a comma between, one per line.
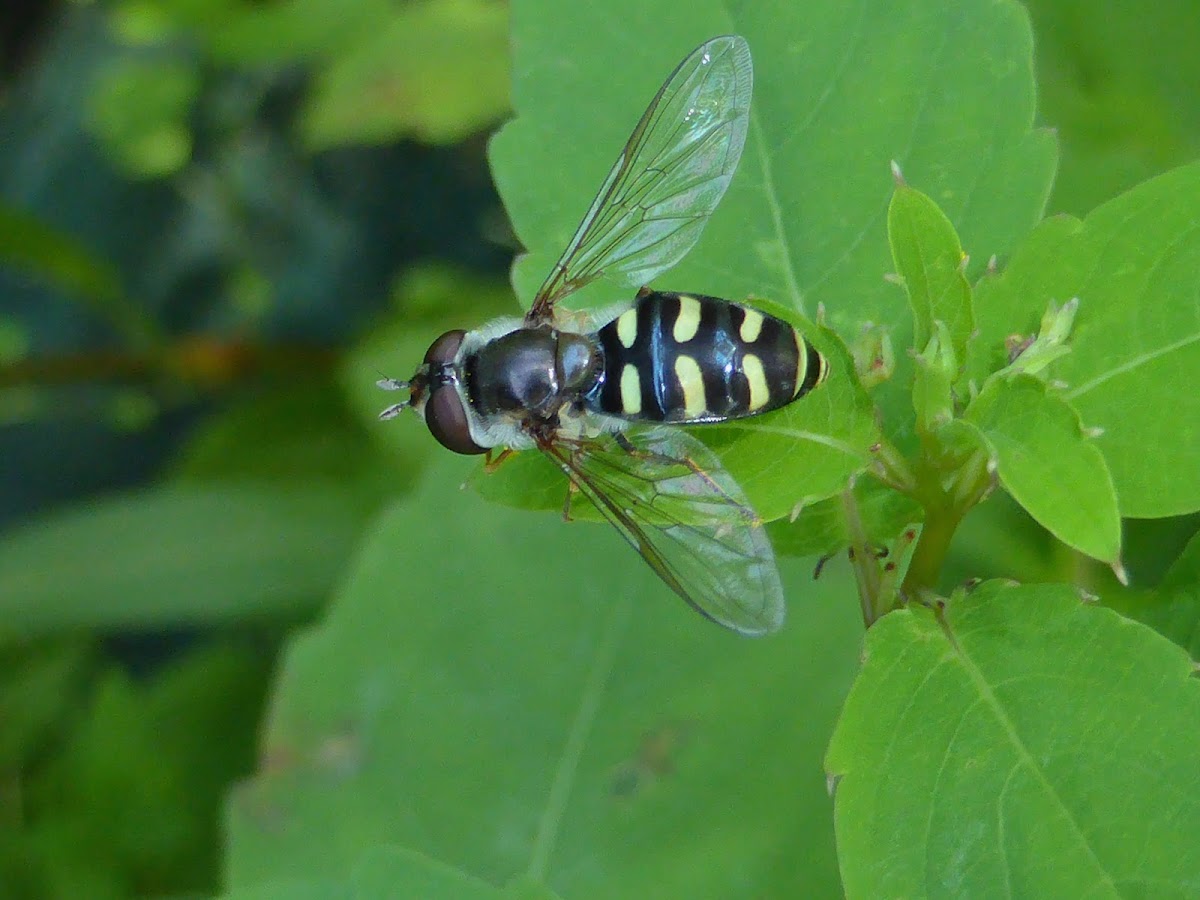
x=671, y=499
x=670, y=176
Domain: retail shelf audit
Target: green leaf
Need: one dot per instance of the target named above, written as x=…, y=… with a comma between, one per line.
x=1018, y=742
x=437, y=71
x=515, y=696
x=1133, y=264
x=839, y=92
x=930, y=259
x=1173, y=610
x=177, y=556
x=1047, y=464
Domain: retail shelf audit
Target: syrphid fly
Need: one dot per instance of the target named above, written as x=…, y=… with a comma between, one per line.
x=605, y=404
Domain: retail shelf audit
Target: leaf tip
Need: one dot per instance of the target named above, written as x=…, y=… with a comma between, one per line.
x=831, y=783
x=897, y=175
x=1118, y=570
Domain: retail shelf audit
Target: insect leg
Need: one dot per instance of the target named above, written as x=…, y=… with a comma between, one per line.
x=492, y=463
x=572, y=490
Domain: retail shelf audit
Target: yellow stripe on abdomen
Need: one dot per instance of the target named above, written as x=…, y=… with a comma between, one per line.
x=687, y=323
x=751, y=326
x=801, y=362
x=691, y=384
x=627, y=328
x=631, y=390
x=760, y=391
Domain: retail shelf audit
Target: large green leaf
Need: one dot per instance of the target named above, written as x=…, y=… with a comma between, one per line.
x=1134, y=264
x=177, y=556
x=515, y=696
x=1019, y=743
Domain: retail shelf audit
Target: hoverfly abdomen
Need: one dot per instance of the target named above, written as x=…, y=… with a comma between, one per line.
x=693, y=358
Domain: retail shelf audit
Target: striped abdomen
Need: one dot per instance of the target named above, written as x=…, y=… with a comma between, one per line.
x=691, y=358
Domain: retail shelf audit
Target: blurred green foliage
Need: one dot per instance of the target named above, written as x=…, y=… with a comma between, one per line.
x=221, y=221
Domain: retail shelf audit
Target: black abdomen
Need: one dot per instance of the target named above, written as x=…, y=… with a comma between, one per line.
x=691, y=358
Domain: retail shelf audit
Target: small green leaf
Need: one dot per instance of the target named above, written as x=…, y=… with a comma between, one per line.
x=1135, y=351
x=1048, y=465
x=1018, y=741
x=177, y=556
x=930, y=259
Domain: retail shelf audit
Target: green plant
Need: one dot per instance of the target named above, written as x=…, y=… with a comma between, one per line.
x=500, y=704
x=519, y=701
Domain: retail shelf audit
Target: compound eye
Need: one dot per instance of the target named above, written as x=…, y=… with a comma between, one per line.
x=442, y=351
x=447, y=420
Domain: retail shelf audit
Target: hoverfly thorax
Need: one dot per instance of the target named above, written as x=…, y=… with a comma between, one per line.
x=531, y=372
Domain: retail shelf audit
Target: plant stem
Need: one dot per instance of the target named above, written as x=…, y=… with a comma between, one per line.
x=944, y=511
